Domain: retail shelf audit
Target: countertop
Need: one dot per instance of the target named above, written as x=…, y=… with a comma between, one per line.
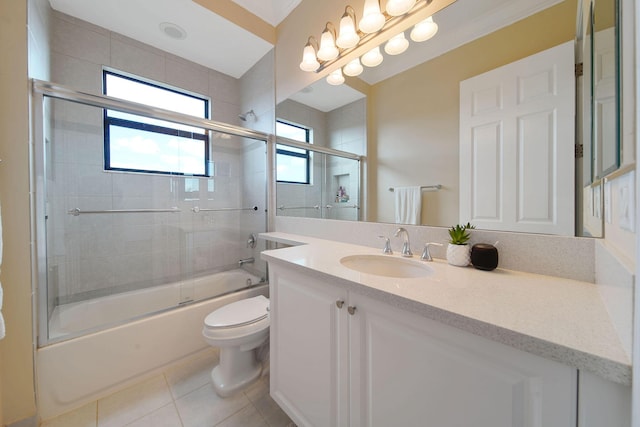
x=559, y=319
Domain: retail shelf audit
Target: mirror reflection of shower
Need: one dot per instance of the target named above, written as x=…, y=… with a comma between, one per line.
x=249, y=115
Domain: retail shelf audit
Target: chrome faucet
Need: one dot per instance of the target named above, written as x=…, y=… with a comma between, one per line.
x=406, y=246
x=426, y=255
x=387, y=245
x=246, y=261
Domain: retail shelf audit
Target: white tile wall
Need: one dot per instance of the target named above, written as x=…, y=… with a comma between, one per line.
x=343, y=129
x=615, y=277
x=94, y=253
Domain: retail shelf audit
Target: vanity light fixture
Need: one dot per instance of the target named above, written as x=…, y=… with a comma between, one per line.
x=399, y=7
x=372, y=26
x=335, y=78
x=348, y=35
x=309, y=59
x=424, y=30
x=353, y=68
x=396, y=44
x=372, y=19
x=373, y=58
x=328, y=49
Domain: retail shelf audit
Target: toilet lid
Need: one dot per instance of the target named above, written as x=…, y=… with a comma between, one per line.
x=239, y=313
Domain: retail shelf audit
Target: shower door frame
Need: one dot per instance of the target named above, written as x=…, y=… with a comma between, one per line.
x=42, y=89
x=280, y=140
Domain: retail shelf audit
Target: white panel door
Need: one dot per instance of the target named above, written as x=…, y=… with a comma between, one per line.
x=604, y=102
x=409, y=371
x=308, y=355
x=517, y=141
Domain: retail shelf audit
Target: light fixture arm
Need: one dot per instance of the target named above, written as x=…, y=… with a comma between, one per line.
x=350, y=12
x=311, y=41
x=331, y=28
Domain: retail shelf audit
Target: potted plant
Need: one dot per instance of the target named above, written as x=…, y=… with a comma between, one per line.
x=459, y=251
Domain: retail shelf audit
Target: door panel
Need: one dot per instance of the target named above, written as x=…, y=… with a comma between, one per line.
x=308, y=349
x=532, y=183
x=410, y=371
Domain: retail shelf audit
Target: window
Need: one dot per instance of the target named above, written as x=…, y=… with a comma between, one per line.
x=142, y=144
x=293, y=164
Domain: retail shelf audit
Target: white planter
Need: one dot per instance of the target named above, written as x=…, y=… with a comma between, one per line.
x=459, y=255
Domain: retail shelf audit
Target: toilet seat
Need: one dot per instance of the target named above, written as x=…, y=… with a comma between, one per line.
x=240, y=313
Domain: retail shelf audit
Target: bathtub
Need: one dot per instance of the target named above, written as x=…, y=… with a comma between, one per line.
x=75, y=318
x=85, y=368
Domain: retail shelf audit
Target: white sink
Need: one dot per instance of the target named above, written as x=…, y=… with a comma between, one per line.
x=388, y=266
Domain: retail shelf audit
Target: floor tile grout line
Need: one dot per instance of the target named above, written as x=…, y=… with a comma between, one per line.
x=237, y=412
x=173, y=399
x=147, y=413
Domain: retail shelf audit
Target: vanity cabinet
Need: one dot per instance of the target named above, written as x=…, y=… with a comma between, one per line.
x=340, y=358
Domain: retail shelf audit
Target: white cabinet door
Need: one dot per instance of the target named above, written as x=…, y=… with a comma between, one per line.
x=308, y=339
x=517, y=127
x=366, y=363
x=603, y=403
x=409, y=371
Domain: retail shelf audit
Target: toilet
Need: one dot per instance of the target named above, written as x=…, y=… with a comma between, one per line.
x=237, y=329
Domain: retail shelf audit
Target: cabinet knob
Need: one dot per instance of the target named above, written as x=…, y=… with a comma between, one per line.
x=351, y=309
x=339, y=304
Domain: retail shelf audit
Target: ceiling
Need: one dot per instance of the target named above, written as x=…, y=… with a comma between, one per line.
x=210, y=40
x=217, y=43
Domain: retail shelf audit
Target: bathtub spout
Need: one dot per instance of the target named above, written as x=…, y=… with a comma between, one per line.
x=246, y=261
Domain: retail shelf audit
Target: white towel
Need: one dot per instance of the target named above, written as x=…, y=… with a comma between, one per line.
x=2, y=331
x=408, y=205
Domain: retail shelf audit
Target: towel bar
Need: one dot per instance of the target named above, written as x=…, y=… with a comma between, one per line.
x=425, y=187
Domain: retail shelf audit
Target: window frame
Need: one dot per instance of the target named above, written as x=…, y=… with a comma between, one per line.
x=306, y=155
x=131, y=124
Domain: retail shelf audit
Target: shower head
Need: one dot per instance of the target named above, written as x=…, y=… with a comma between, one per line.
x=248, y=114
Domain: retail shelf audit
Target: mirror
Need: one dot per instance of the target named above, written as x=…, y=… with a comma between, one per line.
x=604, y=87
x=413, y=108
x=598, y=107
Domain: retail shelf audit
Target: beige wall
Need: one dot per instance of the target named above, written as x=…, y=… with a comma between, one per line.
x=415, y=141
x=16, y=371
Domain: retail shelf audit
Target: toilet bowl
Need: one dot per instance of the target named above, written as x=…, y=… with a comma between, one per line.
x=237, y=329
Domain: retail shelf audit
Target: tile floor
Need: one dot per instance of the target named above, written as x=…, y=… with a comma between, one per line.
x=181, y=396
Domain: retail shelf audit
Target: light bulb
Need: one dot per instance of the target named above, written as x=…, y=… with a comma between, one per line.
x=424, y=30
x=397, y=44
x=372, y=19
x=348, y=36
x=328, y=49
x=353, y=68
x=372, y=58
x=309, y=61
x=399, y=7
x=335, y=78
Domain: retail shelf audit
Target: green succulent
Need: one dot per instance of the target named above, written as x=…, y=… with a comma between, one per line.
x=459, y=235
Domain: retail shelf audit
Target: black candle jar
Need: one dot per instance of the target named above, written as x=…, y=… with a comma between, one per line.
x=484, y=256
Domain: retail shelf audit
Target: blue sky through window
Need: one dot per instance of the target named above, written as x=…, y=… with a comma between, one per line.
x=154, y=148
